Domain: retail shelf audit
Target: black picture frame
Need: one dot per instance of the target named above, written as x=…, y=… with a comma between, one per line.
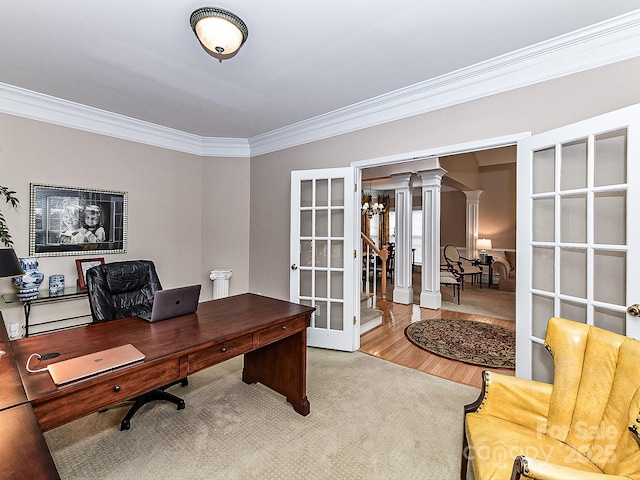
x=58, y=216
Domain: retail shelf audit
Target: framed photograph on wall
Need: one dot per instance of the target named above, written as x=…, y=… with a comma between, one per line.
x=76, y=221
x=84, y=264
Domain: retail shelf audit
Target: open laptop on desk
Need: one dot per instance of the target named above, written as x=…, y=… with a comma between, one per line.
x=173, y=302
x=93, y=363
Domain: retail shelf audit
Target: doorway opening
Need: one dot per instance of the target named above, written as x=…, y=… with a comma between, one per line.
x=493, y=161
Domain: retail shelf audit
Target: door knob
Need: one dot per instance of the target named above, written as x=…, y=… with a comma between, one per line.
x=634, y=310
x=294, y=267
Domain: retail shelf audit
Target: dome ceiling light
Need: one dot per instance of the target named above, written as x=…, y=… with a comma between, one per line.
x=220, y=32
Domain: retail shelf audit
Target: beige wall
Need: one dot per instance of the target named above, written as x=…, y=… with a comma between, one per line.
x=453, y=220
x=536, y=108
x=462, y=170
x=497, y=202
x=192, y=214
x=187, y=214
x=497, y=212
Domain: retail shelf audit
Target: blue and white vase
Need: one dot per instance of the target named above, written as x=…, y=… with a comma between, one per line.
x=28, y=283
x=56, y=285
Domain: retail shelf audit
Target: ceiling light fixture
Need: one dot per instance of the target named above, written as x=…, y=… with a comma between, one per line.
x=220, y=32
x=371, y=209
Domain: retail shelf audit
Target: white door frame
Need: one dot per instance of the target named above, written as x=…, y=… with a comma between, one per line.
x=456, y=149
x=483, y=144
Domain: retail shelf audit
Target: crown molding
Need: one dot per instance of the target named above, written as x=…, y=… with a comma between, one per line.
x=37, y=106
x=598, y=45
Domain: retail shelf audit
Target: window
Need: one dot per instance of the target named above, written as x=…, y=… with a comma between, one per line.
x=416, y=233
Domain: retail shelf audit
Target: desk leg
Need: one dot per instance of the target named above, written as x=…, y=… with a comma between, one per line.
x=281, y=366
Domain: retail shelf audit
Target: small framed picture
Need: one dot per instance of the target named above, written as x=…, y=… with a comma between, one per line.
x=84, y=264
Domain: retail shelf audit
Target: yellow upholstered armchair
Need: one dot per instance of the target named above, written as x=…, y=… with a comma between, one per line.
x=583, y=426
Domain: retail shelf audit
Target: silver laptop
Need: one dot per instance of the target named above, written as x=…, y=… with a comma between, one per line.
x=173, y=302
x=86, y=365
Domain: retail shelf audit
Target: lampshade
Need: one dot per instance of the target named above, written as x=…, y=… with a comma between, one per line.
x=9, y=264
x=483, y=244
x=219, y=31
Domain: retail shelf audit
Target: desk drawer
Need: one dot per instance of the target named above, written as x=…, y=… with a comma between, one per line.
x=272, y=334
x=104, y=391
x=219, y=353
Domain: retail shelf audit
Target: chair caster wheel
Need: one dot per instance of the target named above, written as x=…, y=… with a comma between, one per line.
x=181, y=405
x=184, y=382
x=125, y=425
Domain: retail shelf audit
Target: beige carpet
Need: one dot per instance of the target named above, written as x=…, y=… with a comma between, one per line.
x=489, y=302
x=486, y=301
x=370, y=419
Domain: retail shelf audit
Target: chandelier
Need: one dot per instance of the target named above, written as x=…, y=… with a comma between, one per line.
x=370, y=208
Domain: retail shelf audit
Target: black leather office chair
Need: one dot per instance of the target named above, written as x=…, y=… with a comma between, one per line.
x=125, y=289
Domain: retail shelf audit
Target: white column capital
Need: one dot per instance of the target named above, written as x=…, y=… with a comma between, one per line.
x=473, y=196
x=402, y=180
x=432, y=177
x=221, y=274
x=220, y=282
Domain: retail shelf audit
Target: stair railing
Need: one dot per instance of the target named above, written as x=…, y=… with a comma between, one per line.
x=383, y=253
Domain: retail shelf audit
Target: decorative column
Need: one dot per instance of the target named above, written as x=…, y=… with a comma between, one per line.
x=403, y=290
x=220, y=282
x=430, y=296
x=473, y=207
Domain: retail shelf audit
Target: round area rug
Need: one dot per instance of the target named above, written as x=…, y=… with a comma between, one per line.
x=466, y=341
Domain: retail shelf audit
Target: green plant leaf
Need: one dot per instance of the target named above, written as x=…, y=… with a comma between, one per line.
x=10, y=197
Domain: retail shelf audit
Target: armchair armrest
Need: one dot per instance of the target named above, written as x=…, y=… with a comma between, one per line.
x=519, y=400
x=473, y=261
x=502, y=267
x=527, y=467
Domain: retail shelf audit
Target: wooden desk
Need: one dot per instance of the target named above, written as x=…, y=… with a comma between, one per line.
x=10, y=382
x=272, y=335
x=24, y=452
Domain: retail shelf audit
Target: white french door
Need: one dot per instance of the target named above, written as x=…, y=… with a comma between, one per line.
x=322, y=255
x=578, y=244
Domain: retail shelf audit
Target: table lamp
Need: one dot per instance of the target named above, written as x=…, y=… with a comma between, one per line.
x=483, y=244
x=9, y=266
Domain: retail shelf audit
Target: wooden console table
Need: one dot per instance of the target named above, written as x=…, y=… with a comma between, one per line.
x=43, y=296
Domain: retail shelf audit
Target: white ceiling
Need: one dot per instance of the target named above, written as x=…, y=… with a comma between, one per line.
x=140, y=59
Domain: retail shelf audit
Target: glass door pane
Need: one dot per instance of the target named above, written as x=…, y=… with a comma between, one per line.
x=577, y=244
x=321, y=232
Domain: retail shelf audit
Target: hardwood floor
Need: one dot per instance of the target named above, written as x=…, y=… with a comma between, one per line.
x=389, y=343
